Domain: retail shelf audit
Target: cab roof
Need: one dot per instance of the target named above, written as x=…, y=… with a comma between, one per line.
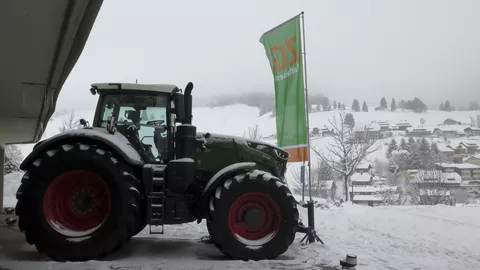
x=163, y=88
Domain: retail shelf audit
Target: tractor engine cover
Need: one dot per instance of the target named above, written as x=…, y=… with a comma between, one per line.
x=180, y=174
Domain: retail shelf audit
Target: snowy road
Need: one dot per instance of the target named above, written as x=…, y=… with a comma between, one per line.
x=437, y=237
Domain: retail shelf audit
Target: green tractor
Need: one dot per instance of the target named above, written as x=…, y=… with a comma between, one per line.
x=86, y=192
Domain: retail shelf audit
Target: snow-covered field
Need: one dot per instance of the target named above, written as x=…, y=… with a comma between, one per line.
x=401, y=237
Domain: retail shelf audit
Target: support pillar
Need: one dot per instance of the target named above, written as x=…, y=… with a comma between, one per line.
x=2, y=165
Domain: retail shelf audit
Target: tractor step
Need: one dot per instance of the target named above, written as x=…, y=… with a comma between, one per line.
x=157, y=201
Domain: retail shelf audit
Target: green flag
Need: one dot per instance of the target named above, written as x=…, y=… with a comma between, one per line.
x=283, y=47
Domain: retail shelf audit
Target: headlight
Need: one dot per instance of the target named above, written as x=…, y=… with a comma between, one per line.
x=269, y=150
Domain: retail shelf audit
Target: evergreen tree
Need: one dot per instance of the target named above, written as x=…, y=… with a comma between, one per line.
x=404, y=144
x=442, y=107
x=325, y=102
x=334, y=105
x=448, y=106
x=424, y=154
x=365, y=107
x=355, y=106
x=343, y=106
x=383, y=103
x=478, y=120
x=391, y=147
x=411, y=144
x=393, y=105
x=349, y=120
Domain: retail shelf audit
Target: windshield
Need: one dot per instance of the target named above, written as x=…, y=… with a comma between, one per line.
x=147, y=112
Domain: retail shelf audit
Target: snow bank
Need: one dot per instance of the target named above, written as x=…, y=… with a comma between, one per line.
x=12, y=182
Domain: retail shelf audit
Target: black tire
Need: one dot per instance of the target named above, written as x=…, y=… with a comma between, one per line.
x=119, y=222
x=225, y=200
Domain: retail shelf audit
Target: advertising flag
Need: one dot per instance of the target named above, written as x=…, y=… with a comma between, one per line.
x=283, y=47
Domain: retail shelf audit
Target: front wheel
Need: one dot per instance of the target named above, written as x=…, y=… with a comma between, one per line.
x=252, y=216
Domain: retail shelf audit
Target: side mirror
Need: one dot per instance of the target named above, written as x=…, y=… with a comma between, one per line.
x=83, y=122
x=179, y=107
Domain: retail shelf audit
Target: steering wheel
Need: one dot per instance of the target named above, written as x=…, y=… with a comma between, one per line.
x=155, y=122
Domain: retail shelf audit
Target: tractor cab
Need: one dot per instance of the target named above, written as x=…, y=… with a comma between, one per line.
x=144, y=113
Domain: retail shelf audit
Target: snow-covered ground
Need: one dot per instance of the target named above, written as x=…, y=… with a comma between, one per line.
x=401, y=237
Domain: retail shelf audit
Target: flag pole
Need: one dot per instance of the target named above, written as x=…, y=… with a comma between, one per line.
x=302, y=16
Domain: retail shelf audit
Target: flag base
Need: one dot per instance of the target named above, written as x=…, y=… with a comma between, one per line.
x=309, y=231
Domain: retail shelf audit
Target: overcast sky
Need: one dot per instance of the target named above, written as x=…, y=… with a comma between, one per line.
x=355, y=49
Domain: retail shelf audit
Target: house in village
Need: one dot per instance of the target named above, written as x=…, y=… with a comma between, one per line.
x=361, y=179
x=450, y=121
x=374, y=195
x=364, y=167
x=315, y=131
x=447, y=151
x=326, y=132
x=472, y=131
x=450, y=131
x=384, y=126
x=474, y=159
x=418, y=132
x=472, y=147
x=380, y=108
x=467, y=171
x=434, y=186
x=403, y=125
x=371, y=133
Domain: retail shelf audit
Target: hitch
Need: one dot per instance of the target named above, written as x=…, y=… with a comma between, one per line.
x=309, y=231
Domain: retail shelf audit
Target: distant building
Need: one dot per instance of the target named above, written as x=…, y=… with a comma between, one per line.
x=362, y=179
x=475, y=160
x=363, y=167
x=450, y=121
x=384, y=126
x=472, y=131
x=326, y=132
x=418, y=132
x=380, y=108
x=315, y=131
x=403, y=125
x=447, y=151
x=373, y=195
x=467, y=171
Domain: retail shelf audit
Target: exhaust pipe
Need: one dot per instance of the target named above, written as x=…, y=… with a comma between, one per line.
x=187, y=96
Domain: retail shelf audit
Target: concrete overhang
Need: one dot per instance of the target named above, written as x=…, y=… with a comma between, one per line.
x=40, y=42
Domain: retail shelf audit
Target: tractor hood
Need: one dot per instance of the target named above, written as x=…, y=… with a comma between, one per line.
x=223, y=150
x=261, y=146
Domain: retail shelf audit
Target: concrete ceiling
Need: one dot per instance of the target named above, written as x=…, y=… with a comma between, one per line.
x=40, y=42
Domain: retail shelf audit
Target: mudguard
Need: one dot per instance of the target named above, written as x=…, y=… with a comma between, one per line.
x=116, y=143
x=222, y=175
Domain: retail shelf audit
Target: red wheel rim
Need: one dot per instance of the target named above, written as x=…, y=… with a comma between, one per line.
x=267, y=221
x=76, y=203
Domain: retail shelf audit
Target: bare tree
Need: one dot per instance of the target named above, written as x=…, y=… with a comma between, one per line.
x=254, y=133
x=13, y=159
x=350, y=146
x=70, y=121
x=429, y=187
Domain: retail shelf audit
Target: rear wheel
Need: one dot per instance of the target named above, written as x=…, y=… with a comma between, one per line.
x=78, y=202
x=252, y=216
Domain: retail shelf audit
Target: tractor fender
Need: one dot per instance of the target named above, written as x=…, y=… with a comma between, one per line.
x=116, y=143
x=221, y=176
